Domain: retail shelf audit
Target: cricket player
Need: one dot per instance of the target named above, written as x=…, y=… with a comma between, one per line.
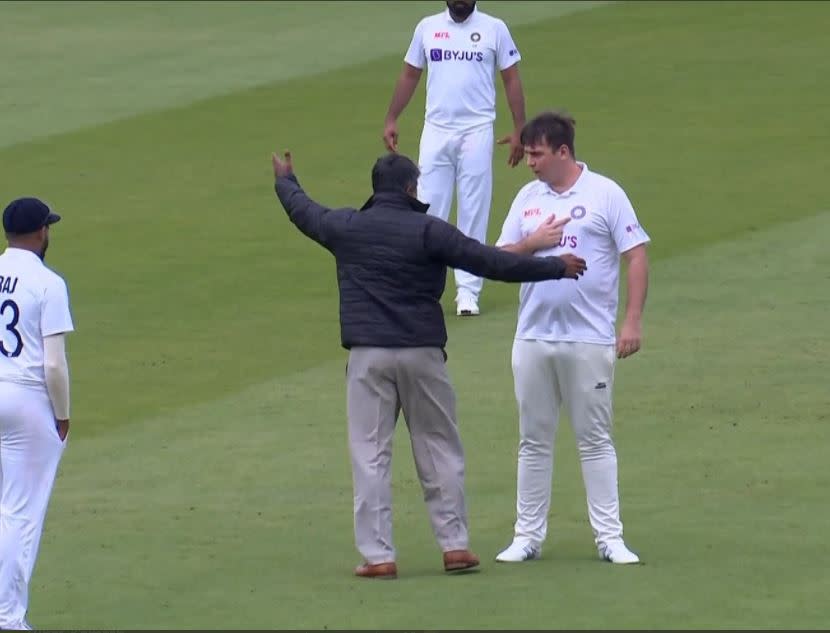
x=565, y=345
x=34, y=396
x=462, y=48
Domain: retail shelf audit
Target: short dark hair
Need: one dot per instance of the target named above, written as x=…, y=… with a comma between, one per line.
x=394, y=172
x=552, y=128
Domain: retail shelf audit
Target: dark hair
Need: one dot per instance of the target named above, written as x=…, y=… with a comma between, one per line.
x=551, y=128
x=394, y=172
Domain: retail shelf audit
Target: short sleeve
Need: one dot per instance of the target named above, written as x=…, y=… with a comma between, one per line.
x=511, y=230
x=625, y=227
x=416, y=56
x=55, y=316
x=507, y=53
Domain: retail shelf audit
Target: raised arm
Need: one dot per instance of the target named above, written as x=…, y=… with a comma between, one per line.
x=307, y=215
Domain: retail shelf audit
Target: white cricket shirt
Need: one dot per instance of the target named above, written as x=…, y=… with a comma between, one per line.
x=461, y=61
x=34, y=303
x=603, y=225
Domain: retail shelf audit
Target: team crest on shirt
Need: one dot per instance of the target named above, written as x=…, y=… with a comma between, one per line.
x=577, y=213
x=475, y=36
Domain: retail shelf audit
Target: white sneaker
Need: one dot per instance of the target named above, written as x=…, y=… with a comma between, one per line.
x=617, y=552
x=466, y=306
x=517, y=553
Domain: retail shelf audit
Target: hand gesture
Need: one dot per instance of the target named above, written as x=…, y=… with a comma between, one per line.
x=517, y=150
x=282, y=167
x=390, y=135
x=574, y=266
x=548, y=234
x=628, y=342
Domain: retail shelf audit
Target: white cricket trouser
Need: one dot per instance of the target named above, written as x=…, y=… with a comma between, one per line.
x=30, y=451
x=580, y=376
x=465, y=159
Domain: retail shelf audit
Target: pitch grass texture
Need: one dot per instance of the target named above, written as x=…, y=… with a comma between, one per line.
x=206, y=482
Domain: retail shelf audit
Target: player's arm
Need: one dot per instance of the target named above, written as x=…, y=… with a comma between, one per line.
x=307, y=215
x=630, y=337
x=631, y=240
x=55, y=324
x=508, y=62
x=56, y=371
x=404, y=89
x=449, y=245
x=547, y=235
x=515, y=94
x=414, y=63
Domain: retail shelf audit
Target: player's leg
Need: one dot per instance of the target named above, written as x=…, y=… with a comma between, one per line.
x=537, y=397
x=437, y=166
x=372, y=406
x=429, y=406
x=587, y=380
x=30, y=451
x=475, y=192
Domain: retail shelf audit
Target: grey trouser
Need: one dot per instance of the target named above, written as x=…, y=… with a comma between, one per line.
x=381, y=382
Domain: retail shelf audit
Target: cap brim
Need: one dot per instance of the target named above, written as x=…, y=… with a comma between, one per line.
x=52, y=218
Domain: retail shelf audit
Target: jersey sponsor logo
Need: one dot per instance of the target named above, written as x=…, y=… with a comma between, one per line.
x=445, y=54
x=568, y=241
x=442, y=35
x=530, y=213
x=577, y=213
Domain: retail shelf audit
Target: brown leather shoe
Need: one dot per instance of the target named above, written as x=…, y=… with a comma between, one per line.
x=459, y=559
x=381, y=571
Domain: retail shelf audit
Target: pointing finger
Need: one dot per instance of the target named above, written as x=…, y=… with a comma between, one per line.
x=560, y=222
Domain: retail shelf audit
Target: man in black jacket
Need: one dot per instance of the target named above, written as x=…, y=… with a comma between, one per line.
x=392, y=260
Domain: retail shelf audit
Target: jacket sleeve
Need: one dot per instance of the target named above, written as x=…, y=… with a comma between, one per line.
x=311, y=218
x=445, y=242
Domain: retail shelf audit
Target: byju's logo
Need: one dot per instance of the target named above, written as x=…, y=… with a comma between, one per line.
x=439, y=54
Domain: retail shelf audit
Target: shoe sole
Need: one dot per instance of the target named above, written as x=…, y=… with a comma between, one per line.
x=466, y=313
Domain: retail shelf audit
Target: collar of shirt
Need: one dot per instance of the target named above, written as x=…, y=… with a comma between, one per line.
x=23, y=253
x=575, y=188
x=469, y=19
x=395, y=200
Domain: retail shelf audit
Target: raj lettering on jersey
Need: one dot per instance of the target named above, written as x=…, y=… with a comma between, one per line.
x=7, y=284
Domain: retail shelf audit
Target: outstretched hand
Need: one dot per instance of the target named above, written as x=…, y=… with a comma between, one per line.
x=282, y=167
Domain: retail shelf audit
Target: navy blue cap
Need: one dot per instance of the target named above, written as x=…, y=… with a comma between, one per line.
x=27, y=215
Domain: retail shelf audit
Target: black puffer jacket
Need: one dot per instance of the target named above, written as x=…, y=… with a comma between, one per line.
x=392, y=263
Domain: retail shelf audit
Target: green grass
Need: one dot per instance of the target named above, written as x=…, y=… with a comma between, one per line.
x=207, y=483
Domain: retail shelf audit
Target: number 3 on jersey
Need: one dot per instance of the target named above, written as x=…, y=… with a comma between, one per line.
x=10, y=309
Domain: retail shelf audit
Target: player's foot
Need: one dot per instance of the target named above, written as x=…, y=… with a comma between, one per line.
x=617, y=552
x=519, y=552
x=381, y=571
x=466, y=306
x=460, y=559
